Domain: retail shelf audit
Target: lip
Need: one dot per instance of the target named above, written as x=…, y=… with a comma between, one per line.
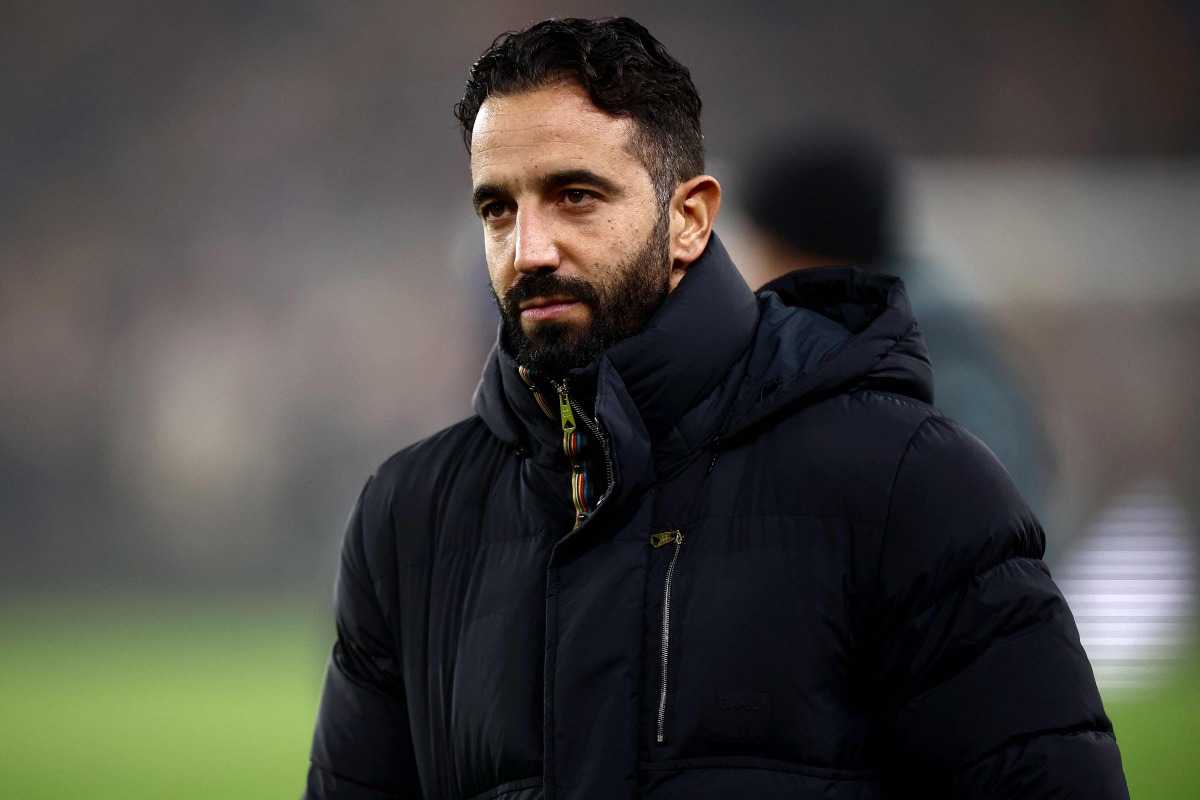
x=552, y=300
x=540, y=308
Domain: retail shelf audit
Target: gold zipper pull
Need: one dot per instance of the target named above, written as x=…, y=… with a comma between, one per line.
x=564, y=411
x=665, y=538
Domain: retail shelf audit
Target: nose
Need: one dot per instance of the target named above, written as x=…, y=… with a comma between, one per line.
x=535, y=248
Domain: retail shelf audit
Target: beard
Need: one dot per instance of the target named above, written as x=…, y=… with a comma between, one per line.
x=620, y=307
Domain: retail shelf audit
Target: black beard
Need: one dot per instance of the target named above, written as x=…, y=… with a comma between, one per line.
x=618, y=309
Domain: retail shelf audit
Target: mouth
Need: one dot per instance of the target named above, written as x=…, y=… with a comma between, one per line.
x=541, y=308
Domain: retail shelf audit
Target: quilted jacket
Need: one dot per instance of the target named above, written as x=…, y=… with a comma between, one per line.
x=792, y=578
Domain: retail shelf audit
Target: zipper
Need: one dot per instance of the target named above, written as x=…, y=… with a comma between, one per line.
x=527, y=376
x=589, y=423
x=570, y=414
x=660, y=540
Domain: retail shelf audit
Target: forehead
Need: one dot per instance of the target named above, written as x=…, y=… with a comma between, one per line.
x=546, y=130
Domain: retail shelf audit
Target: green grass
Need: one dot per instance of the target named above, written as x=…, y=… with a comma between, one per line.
x=216, y=699
x=1159, y=734
x=127, y=700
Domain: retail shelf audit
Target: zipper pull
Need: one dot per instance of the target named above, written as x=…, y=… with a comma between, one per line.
x=665, y=538
x=564, y=411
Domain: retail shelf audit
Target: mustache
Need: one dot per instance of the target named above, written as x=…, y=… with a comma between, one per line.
x=545, y=284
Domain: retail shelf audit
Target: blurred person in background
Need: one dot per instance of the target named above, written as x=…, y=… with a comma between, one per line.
x=829, y=197
x=694, y=542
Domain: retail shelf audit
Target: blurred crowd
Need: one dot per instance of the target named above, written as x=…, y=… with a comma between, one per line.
x=238, y=266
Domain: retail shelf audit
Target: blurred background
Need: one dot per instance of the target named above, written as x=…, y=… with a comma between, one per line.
x=239, y=268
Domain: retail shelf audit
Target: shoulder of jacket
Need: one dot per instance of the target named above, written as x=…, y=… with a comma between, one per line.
x=895, y=406
x=856, y=426
x=436, y=451
x=849, y=444
x=938, y=442
x=408, y=485
x=954, y=512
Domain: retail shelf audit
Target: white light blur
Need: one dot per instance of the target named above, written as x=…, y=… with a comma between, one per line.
x=1131, y=583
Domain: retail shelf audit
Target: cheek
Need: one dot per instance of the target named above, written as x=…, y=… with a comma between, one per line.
x=499, y=271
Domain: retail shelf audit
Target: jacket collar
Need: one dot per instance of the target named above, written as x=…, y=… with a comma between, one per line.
x=644, y=386
x=715, y=360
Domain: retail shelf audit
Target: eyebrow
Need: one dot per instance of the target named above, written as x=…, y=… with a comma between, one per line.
x=585, y=176
x=485, y=192
x=554, y=180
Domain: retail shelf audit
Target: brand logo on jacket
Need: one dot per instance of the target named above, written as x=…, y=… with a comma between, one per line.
x=735, y=717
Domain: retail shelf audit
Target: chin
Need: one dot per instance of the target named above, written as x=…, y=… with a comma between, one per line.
x=554, y=334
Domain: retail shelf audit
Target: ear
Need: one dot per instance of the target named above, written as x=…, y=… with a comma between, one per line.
x=693, y=208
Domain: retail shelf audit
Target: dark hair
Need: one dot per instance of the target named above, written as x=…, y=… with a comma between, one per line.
x=624, y=70
x=827, y=193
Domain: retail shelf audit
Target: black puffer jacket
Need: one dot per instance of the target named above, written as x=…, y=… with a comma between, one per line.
x=801, y=582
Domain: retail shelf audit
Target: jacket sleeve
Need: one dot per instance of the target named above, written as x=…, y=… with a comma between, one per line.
x=986, y=690
x=362, y=748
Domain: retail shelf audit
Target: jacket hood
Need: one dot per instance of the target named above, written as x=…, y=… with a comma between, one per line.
x=827, y=331
x=715, y=359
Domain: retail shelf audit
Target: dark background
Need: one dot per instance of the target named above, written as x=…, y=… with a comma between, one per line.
x=238, y=266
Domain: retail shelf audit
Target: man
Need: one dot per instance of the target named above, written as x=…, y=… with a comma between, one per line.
x=694, y=543
x=828, y=197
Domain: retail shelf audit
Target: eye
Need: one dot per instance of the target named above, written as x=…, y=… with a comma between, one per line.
x=579, y=200
x=492, y=210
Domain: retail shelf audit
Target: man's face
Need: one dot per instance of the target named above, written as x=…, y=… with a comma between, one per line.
x=576, y=240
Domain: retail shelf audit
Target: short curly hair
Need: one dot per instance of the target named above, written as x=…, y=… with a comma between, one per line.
x=624, y=70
